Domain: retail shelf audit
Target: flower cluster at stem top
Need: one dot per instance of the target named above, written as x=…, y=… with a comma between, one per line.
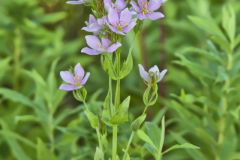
x=117, y=19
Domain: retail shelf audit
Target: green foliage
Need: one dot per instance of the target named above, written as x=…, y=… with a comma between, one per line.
x=200, y=46
x=210, y=104
x=121, y=113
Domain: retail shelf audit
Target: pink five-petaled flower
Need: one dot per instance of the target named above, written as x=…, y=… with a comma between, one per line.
x=76, y=2
x=122, y=22
x=119, y=5
x=94, y=25
x=74, y=81
x=152, y=74
x=146, y=9
x=99, y=47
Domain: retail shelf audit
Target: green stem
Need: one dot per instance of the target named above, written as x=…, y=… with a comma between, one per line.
x=145, y=110
x=117, y=95
x=128, y=145
x=114, y=141
x=111, y=109
x=117, y=103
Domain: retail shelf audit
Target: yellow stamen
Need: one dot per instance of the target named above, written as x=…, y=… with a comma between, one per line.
x=119, y=27
x=77, y=80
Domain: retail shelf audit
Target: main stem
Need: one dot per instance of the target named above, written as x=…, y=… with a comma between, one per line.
x=117, y=103
x=114, y=142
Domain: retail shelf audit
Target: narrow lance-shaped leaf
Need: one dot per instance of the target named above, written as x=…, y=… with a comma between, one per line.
x=16, y=97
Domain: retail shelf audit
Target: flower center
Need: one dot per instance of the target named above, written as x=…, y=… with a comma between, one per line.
x=151, y=74
x=101, y=47
x=152, y=77
x=77, y=80
x=119, y=27
x=144, y=11
x=145, y=8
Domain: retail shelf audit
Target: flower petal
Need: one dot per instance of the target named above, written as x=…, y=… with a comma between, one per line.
x=113, y=17
x=67, y=77
x=101, y=21
x=93, y=41
x=154, y=15
x=85, y=79
x=120, y=4
x=106, y=42
x=161, y=75
x=79, y=71
x=154, y=69
x=92, y=19
x=135, y=6
x=141, y=16
x=143, y=73
x=130, y=26
x=76, y=2
x=125, y=17
x=69, y=87
x=142, y=3
x=114, y=47
x=92, y=28
x=90, y=51
x=154, y=4
x=107, y=4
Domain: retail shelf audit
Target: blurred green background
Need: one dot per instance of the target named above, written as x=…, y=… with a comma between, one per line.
x=197, y=41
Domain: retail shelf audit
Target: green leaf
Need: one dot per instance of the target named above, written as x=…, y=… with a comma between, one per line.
x=11, y=135
x=93, y=119
x=4, y=65
x=16, y=97
x=136, y=124
x=195, y=154
x=143, y=136
x=181, y=146
x=150, y=95
x=208, y=25
x=53, y=17
x=196, y=69
x=80, y=94
x=108, y=66
x=162, y=138
x=127, y=157
x=154, y=132
x=17, y=151
x=105, y=61
x=99, y=155
x=107, y=105
x=229, y=22
x=26, y=118
x=127, y=65
x=121, y=115
x=43, y=152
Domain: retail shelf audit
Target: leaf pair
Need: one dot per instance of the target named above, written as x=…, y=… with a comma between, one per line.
x=111, y=68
